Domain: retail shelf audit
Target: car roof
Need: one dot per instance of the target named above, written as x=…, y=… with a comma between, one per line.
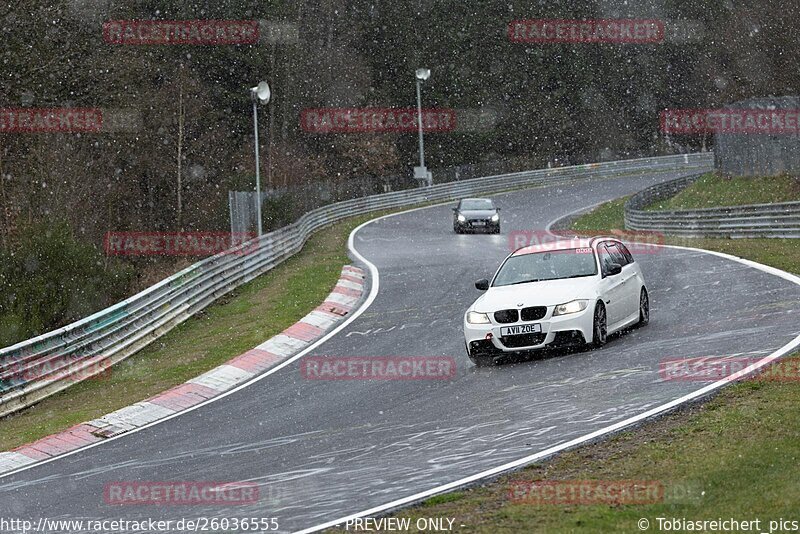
x=562, y=243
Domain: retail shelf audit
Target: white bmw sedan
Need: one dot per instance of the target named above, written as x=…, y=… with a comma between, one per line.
x=570, y=292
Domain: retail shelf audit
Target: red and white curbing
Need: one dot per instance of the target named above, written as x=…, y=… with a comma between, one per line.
x=337, y=305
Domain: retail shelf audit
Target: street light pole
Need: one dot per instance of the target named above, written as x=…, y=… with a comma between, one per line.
x=258, y=169
x=259, y=94
x=419, y=121
x=421, y=172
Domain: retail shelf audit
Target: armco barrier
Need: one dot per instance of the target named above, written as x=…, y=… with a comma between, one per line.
x=780, y=220
x=115, y=333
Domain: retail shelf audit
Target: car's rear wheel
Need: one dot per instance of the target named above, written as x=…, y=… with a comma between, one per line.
x=600, y=329
x=644, y=308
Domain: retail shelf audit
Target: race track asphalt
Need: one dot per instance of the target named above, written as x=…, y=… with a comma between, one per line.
x=320, y=450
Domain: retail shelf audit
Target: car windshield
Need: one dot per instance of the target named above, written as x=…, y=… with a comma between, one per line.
x=550, y=265
x=477, y=204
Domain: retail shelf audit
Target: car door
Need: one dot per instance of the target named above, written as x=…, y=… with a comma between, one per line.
x=630, y=295
x=611, y=288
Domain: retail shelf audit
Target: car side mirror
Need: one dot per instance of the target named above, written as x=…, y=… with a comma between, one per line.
x=482, y=284
x=497, y=209
x=614, y=269
x=455, y=209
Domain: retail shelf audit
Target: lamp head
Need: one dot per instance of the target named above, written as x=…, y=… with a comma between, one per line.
x=261, y=92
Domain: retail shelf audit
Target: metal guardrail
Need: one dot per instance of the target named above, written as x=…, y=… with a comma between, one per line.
x=34, y=369
x=780, y=220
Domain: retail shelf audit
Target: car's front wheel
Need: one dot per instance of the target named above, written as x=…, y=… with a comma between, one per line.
x=482, y=360
x=644, y=308
x=600, y=329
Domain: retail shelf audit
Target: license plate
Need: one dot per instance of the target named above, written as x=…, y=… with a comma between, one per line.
x=534, y=328
x=479, y=223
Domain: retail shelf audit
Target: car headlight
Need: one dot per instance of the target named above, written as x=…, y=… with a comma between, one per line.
x=461, y=218
x=571, y=307
x=477, y=318
x=495, y=217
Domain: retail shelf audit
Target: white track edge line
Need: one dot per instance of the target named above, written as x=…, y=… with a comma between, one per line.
x=600, y=432
x=355, y=314
x=374, y=287
x=496, y=470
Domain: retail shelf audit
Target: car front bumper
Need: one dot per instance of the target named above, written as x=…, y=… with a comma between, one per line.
x=475, y=224
x=558, y=331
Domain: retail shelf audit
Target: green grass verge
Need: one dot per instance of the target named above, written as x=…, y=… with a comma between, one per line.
x=605, y=216
x=714, y=190
x=733, y=456
x=236, y=323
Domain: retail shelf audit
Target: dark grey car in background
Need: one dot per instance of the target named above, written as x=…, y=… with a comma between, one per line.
x=473, y=214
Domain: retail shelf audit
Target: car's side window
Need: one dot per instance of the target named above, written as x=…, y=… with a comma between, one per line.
x=616, y=254
x=626, y=252
x=605, y=258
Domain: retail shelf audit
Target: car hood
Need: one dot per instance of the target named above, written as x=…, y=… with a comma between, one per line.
x=477, y=214
x=547, y=293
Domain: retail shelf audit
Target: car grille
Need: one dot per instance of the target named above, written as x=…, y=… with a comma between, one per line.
x=522, y=340
x=533, y=313
x=506, y=316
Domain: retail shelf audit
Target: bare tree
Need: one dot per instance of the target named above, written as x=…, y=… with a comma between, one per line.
x=5, y=227
x=181, y=119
